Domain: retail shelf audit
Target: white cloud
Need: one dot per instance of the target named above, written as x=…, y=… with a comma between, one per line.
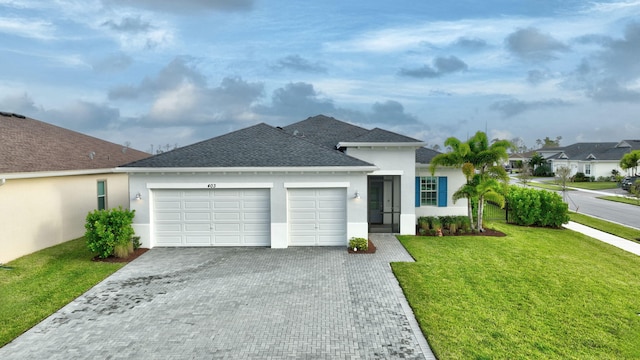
x=28, y=28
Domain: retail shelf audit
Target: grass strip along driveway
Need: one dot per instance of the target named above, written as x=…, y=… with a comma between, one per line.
x=39, y=284
x=534, y=294
x=622, y=231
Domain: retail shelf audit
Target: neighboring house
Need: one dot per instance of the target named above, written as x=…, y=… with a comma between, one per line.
x=317, y=182
x=50, y=178
x=592, y=159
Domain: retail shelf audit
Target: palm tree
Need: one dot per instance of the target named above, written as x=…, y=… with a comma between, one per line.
x=488, y=159
x=467, y=191
x=484, y=163
x=457, y=157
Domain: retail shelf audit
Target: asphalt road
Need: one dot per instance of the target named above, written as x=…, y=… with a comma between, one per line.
x=587, y=202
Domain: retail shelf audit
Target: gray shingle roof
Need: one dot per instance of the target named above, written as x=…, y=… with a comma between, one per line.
x=378, y=135
x=425, y=155
x=28, y=145
x=328, y=132
x=598, y=151
x=256, y=146
x=325, y=130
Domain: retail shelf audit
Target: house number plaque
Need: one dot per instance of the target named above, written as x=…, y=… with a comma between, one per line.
x=211, y=186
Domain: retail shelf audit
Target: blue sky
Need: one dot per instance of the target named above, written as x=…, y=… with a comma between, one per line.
x=160, y=72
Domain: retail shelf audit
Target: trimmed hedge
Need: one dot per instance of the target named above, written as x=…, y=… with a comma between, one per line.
x=533, y=207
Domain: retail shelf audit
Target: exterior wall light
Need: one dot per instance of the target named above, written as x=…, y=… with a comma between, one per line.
x=357, y=195
x=138, y=196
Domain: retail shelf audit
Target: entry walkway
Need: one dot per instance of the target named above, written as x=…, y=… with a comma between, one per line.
x=616, y=241
x=238, y=303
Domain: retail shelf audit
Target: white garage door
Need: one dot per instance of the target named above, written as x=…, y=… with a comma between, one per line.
x=218, y=217
x=318, y=217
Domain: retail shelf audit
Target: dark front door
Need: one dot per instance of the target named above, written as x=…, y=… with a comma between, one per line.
x=376, y=204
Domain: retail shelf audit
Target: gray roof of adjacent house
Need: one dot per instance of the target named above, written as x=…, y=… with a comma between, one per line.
x=28, y=145
x=425, y=155
x=256, y=146
x=612, y=151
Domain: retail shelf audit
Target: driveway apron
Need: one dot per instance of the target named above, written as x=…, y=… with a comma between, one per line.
x=237, y=303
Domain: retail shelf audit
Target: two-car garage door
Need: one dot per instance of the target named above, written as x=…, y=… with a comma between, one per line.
x=242, y=217
x=212, y=217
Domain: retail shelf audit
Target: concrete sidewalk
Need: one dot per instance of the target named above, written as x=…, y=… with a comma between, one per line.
x=616, y=241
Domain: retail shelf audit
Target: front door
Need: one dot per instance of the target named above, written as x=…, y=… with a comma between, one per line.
x=376, y=201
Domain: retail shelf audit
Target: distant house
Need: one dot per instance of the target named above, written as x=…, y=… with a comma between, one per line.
x=317, y=182
x=50, y=178
x=597, y=159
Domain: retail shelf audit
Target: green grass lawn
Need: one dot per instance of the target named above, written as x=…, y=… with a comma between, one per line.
x=534, y=294
x=553, y=184
x=596, y=185
x=621, y=199
x=550, y=185
x=622, y=231
x=41, y=283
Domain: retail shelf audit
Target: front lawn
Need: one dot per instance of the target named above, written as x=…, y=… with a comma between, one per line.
x=594, y=185
x=534, y=294
x=39, y=284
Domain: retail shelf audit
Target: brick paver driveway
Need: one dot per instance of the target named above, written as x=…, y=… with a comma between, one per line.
x=237, y=303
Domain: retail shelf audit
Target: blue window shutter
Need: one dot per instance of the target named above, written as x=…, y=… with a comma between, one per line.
x=442, y=191
x=417, y=191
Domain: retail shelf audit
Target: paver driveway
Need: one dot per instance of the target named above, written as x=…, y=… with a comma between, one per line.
x=237, y=303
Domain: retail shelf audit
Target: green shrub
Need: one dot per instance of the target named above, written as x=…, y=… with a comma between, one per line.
x=423, y=223
x=109, y=232
x=536, y=207
x=358, y=244
x=580, y=177
x=543, y=170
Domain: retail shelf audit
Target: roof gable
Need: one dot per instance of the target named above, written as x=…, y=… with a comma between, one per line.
x=260, y=145
x=425, y=155
x=28, y=145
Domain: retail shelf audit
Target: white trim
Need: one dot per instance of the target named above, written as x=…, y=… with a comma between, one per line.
x=381, y=144
x=216, y=185
x=44, y=174
x=235, y=170
x=387, y=172
x=316, y=185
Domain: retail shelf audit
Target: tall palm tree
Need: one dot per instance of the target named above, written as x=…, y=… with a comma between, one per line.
x=485, y=163
x=456, y=157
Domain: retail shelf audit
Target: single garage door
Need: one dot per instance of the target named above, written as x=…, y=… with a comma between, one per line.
x=216, y=217
x=317, y=217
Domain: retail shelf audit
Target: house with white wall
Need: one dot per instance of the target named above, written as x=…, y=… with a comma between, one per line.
x=596, y=159
x=50, y=178
x=317, y=182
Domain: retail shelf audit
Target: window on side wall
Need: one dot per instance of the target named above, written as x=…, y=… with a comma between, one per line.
x=587, y=169
x=102, y=194
x=429, y=191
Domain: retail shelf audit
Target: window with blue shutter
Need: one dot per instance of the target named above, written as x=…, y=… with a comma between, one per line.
x=431, y=191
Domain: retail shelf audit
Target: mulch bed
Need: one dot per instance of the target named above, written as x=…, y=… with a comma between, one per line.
x=112, y=259
x=370, y=250
x=486, y=232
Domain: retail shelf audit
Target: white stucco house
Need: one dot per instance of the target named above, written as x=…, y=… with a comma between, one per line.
x=592, y=159
x=317, y=182
x=50, y=178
